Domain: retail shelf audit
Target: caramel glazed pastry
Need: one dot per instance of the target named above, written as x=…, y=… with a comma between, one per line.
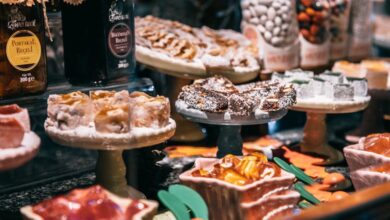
x=219, y=95
x=108, y=114
x=193, y=50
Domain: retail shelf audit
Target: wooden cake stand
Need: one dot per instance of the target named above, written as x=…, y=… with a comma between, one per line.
x=315, y=132
x=229, y=140
x=187, y=130
x=110, y=167
x=16, y=157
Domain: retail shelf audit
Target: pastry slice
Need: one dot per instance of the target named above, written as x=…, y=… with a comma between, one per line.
x=70, y=110
x=371, y=176
x=371, y=150
x=11, y=133
x=113, y=119
x=91, y=203
x=101, y=98
x=148, y=111
x=20, y=114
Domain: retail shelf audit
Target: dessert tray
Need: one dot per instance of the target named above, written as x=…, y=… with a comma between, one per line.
x=18, y=144
x=218, y=101
x=110, y=122
x=256, y=188
x=327, y=93
x=186, y=52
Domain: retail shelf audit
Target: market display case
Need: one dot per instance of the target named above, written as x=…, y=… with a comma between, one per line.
x=271, y=109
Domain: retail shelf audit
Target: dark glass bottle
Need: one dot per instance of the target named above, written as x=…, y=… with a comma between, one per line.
x=98, y=40
x=22, y=50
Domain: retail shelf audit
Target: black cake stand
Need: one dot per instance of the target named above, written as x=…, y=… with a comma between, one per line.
x=229, y=138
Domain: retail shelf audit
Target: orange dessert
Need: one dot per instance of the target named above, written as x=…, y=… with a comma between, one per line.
x=254, y=187
x=243, y=171
x=378, y=143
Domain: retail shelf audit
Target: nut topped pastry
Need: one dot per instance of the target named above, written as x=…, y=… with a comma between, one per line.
x=180, y=48
x=148, y=111
x=70, y=110
x=217, y=94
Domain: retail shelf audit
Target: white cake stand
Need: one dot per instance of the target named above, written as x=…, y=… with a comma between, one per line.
x=229, y=139
x=315, y=132
x=110, y=167
x=16, y=157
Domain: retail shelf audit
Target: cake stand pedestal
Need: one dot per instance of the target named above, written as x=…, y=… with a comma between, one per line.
x=229, y=139
x=315, y=131
x=188, y=131
x=110, y=167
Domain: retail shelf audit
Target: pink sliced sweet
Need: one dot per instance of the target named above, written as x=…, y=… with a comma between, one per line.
x=20, y=114
x=11, y=133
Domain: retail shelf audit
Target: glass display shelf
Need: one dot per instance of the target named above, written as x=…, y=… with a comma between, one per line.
x=54, y=164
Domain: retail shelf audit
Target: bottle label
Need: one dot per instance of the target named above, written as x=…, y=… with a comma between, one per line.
x=119, y=40
x=23, y=50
